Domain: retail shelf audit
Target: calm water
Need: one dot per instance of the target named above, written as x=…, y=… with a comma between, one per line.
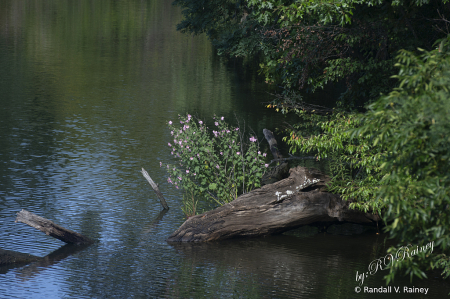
x=86, y=89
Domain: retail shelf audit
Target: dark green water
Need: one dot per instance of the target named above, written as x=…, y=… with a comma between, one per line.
x=86, y=89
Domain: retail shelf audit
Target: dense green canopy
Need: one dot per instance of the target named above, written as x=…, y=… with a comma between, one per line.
x=306, y=44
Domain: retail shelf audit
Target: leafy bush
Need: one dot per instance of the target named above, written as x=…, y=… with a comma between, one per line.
x=412, y=123
x=354, y=163
x=217, y=164
x=395, y=158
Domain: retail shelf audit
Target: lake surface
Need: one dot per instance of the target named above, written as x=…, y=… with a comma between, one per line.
x=86, y=90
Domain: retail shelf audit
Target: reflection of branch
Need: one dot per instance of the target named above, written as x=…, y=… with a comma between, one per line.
x=12, y=259
x=155, y=221
x=272, y=144
x=50, y=259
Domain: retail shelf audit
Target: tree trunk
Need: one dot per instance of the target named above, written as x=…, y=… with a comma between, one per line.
x=299, y=200
x=51, y=229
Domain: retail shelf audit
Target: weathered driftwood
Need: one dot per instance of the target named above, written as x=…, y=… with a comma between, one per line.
x=278, y=172
x=275, y=174
x=298, y=200
x=272, y=144
x=52, y=229
x=155, y=188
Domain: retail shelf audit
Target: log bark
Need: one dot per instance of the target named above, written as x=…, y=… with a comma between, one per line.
x=298, y=200
x=155, y=187
x=272, y=144
x=52, y=229
x=279, y=172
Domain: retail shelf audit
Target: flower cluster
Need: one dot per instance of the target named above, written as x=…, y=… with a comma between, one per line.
x=217, y=166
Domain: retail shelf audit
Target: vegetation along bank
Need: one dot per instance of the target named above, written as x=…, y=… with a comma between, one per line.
x=386, y=136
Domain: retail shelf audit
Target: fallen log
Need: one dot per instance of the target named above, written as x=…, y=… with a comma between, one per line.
x=51, y=229
x=298, y=200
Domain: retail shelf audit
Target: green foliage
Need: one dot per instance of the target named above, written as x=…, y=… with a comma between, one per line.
x=443, y=262
x=394, y=159
x=226, y=22
x=352, y=42
x=218, y=165
x=354, y=163
x=190, y=204
x=305, y=44
x=286, y=13
x=412, y=124
x=210, y=17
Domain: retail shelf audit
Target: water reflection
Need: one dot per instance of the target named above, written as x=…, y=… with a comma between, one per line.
x=86, y=88
x=288, y=267
x=53, y=258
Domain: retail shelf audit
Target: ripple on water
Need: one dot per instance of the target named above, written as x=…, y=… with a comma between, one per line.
x=81, y=116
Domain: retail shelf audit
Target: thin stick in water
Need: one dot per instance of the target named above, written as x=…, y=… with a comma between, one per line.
x=155, y=188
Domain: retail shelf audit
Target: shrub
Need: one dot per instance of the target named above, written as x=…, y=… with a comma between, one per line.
x=217, y=164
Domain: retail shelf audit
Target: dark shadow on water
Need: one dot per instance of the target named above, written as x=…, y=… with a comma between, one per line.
x=35, y=267
x=10, y=259
x=302, y=263
x=303, y=267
